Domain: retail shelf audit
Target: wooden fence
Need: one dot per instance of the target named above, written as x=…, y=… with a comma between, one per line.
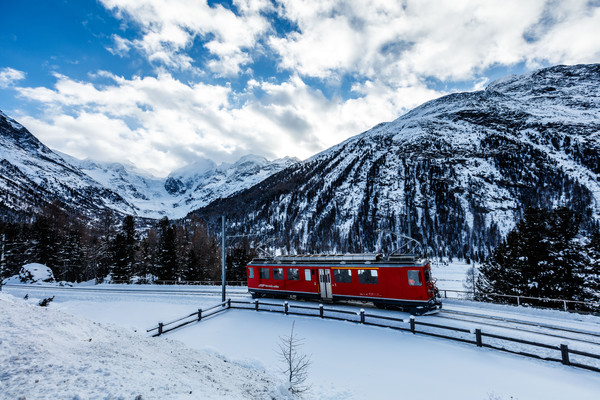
x=542, y=302
x=563, y=353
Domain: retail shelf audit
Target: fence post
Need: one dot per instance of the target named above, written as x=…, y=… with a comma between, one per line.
x=199, y=314
x=285, y=305
x=518, y=301
x=228, y=303
x=478, y=338
x=321, y=310
x=412, y=324
x=565, y=304
x=362, y=316
x=564, y=351
x=160, y=328
x=256, y=305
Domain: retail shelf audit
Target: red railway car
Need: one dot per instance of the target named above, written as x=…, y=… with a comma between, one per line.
x=400, y=281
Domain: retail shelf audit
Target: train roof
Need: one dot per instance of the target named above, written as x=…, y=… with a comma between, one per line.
x=365, y=258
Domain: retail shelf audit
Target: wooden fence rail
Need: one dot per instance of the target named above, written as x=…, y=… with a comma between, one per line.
x=475, y=337
x=566, y=305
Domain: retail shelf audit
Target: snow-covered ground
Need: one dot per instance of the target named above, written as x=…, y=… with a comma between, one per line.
x=46, y=353
x=349, y=361
x=450, y=276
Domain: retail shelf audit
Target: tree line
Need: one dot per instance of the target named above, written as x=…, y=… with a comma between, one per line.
x=76, y=251
x=544, y=256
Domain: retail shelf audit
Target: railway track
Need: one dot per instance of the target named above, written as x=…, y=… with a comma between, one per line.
x=183, y=292
x=531, y=327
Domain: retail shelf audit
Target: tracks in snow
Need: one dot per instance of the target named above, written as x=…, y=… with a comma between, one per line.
x=231, y=292
x=529, y=327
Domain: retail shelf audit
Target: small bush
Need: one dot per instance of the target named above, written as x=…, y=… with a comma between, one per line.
x=45, y=302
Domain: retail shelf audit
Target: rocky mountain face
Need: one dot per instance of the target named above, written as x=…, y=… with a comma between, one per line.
x=184, y=190
x=33, y=176
x=456, y=173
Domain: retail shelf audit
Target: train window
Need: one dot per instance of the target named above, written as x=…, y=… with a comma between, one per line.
x=277, y=273
x=414, y=278
x=342, y=275
x=264, y=273
x=250, y=273
x=367, y=276
x=307, y=276
x=293, y=274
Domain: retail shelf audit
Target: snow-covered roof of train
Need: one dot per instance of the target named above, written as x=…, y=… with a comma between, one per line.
x=342, y=258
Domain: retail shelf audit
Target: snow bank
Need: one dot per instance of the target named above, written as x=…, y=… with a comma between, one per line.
x=45, y=354
x=32, y=273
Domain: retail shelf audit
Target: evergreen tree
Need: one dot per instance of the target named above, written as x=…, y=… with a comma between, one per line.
x=43, y=247
x=147, y=254
x=119, y=270
x=70, y=257
x=591, y=273
x=167, y=263
x=124, y=249
x=541, y=257
x=237, y=259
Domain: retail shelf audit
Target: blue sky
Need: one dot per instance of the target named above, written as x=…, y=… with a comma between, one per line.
x=163, y=83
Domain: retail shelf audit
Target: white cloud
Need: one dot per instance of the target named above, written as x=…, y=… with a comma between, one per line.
x=8, y=76
x=169, y=27
x=386, y=49
x=160, y=123
x=453, y=40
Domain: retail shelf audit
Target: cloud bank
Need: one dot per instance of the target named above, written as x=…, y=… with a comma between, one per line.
x=289, y=77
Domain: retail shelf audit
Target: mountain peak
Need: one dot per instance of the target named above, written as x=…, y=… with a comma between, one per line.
x=467, y=165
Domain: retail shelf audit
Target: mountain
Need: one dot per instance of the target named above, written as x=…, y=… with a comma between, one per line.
x=461, y=168
x=185, y=189
x=33, y=177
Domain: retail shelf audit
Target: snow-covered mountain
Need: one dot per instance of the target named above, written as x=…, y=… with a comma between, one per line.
x=185, y=189
x=32, y=175
x=461, y=168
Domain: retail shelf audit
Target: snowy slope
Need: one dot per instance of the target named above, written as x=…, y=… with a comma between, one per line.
x=31, y=176
x=48, y=354
x=463, y=167
x=349, y=361
x=185, y=189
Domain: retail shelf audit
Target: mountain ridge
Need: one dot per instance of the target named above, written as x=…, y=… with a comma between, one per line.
x=465, y=165
x=33, y=176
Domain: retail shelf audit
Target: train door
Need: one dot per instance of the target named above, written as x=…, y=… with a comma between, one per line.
x=325, y=283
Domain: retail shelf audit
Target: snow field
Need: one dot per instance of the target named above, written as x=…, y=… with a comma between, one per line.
x=46, y=353
x=349, y=361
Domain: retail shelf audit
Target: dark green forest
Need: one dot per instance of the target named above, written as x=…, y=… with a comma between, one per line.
x=167, y=251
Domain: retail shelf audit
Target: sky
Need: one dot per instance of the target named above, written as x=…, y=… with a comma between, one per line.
x=165, y=83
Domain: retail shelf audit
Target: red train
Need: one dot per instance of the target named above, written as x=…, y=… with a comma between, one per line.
x=398, y=281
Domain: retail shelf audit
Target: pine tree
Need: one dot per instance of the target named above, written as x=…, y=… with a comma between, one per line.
x=70, y=257
x=167, y=263
x=541, y=257
x=591, y=273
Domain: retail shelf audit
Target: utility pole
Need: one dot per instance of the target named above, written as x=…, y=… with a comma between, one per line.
x=223, y=259
x=406, y=198
x=2, y=260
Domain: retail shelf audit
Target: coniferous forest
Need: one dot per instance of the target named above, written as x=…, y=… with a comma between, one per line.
x=544, y=256
x=117, y=250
